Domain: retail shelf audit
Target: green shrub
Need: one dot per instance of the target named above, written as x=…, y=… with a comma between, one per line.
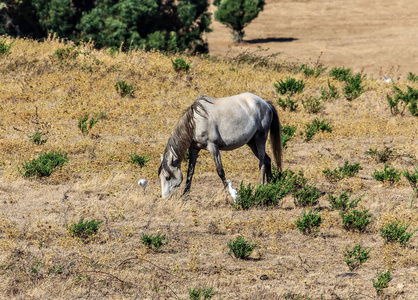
x=356, y=220
x=180, y=65
x=241, y=248
x=124, y=89
x=412, y=77
x=331, y=93
x=44, y=165
x=84, y=124
x=309, y=222
x=288, y=132
x=390, y=175
x=154, y=242
x=307, y=196
x=315, y=71
x=287, y=103
x=353, y=86
x=348, y=170
x=382, y=282
x=198, y=293
x=343, y=202
x=356, y=256
x=5, y=47
x=84, y=229
x=316, y=125
x=408, y=99
x=289, y=86
x=395, y=232
x=340, y=73
x=412, y=179
x=36, y=138
x=383, y=155
x=140, y=160
x=312, y=104
x=66, y=53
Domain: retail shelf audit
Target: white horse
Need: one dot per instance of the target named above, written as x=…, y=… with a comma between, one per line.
x=220, y=124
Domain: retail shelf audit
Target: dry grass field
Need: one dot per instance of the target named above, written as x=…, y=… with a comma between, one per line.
x=39, y=259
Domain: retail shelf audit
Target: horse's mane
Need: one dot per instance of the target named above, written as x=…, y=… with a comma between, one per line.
x=182, y=135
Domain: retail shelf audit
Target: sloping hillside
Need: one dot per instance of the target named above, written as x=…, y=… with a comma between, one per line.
x=48, y=87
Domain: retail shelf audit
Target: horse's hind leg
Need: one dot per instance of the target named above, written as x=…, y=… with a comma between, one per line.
x=258, y=146
x=216, y=155
x=193, y=152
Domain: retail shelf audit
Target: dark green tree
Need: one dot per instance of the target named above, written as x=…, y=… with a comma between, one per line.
x=237, y=14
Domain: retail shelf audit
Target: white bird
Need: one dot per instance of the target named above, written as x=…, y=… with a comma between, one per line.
x=387, y=79
x=143, y=183
x=232, y=191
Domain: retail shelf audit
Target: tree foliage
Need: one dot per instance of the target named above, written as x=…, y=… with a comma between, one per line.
x=237, y=14
x=158, y=24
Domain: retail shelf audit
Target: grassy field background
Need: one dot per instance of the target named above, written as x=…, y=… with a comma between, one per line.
x=40, y=259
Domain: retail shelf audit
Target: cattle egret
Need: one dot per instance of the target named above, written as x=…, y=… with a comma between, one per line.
x=143, y=183
x=232, y=191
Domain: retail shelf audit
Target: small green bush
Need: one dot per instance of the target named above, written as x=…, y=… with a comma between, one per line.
x=340, y=74
x=312, y=104
x=154, y=242
x=412, y=77
x=408, y=99
x=241, y=248
x=198, y=293
x=180, y=65
x=331, y=93
x=287, y=103
x=356, y=220
x=289, y=86
x=5, y=47
x=395, y=232
x=343, y=202
x=44, y=165
x=382, y=282
x=140, y=160
x=412, y=179
x=67, y=53
x=307, y=196
x=353, y=86
x=356, y=256
x=288, y=132
x=124, y=89
x=309, y=223
x=315, y=71
x=36, y=138
x=383, y=155
x=84, y=229
x=84, y=124
x=316, y=125
x=348, y=170
x=390, y=175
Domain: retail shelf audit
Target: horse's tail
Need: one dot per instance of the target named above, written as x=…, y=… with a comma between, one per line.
x=276, y=137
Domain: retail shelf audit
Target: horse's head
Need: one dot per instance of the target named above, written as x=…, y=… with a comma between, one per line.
x=170, y=174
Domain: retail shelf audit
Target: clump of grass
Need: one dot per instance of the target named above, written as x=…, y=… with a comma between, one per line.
x=285, y=103
x=288, y=132
x=180, y=65
x=289, y=86
x=383, y=155
x=67, y=53
x=5, y=47
x=412, y=77
x=307, y=196
x=356, y=220
x=198, y=293
x=396, y=232
x=353, y=86
x=412, y=179
x=348, y=170
x=37, y=139
x=154, y=242
x=390, y=175
x=124, y=89
x=340, y=74
x=316, y=125
x=356, y=257
x=140, y=160
x=309, y=222
x=84, y=124
x=314, y=71
x=84, y=229
x=331, y=93
x=382, y=282
x=241, y=248
x=408, y=99
x=44, y=165
x=312, y=104
x=342, y=202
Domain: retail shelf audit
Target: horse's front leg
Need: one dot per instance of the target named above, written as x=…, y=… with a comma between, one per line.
x=216, y=155
x=193, y=152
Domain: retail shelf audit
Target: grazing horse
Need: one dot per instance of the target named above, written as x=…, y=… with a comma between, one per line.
x=220, y=124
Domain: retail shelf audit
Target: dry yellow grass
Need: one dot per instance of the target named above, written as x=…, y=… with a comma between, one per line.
x=41, y=93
